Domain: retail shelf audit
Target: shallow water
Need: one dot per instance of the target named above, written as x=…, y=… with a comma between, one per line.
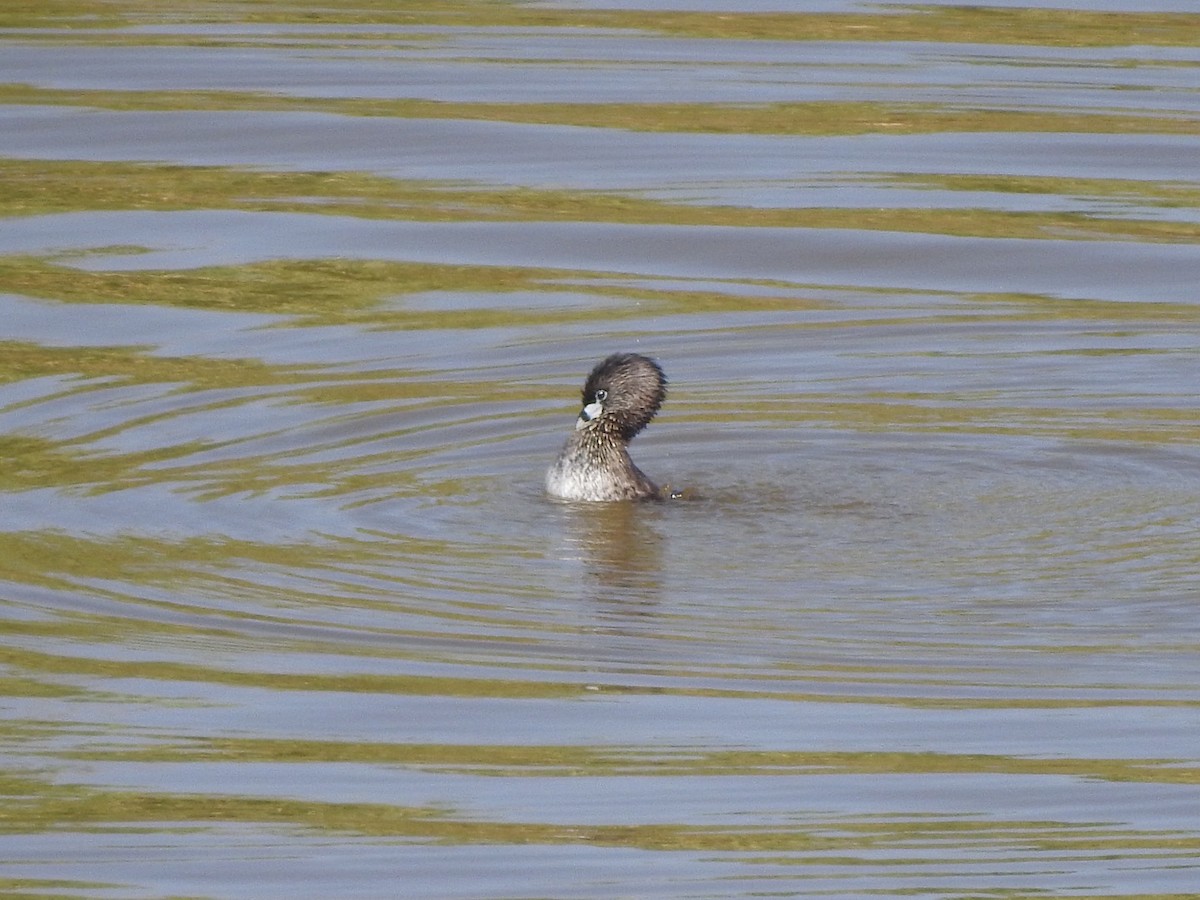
x=295, y=307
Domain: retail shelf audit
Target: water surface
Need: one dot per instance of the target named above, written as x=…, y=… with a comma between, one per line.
x=295, y=303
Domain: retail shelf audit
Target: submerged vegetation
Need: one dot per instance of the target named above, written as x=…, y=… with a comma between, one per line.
x=818, y=118
x=1034, y=26
x=37, y=188
x=263, y=510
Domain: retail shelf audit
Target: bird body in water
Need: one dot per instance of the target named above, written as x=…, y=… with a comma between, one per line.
x=621, y=395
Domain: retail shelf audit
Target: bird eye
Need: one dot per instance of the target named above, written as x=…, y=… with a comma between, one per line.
x=601, y=395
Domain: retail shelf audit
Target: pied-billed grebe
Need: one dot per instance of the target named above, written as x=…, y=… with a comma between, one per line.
x=621, y=395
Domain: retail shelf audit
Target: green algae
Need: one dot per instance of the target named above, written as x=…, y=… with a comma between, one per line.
x=1167, y=195
x=816, y=118
x=19, y=686
x=409, y=685
x=371, y=295
x=499, y=687
x=944, y=24
x=104, y=366
x=43, y=187
x=538, y=761
x=935, y=414
x=334, y=291
x=49, y=888
x=89, y=14
x=78, y=808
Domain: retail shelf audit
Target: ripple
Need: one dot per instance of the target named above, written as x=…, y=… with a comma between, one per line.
x=282, y=368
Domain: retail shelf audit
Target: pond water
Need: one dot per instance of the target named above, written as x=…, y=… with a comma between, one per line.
x=295, y=304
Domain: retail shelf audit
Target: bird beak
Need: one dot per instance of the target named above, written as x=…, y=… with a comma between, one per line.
x=588, y=413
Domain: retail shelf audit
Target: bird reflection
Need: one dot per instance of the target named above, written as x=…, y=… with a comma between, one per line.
x=621, y=548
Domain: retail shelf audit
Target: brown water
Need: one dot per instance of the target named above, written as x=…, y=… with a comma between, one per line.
x=295, y=304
